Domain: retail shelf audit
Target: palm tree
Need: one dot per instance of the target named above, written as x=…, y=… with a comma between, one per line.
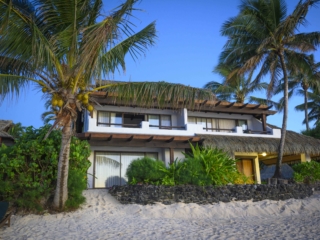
x=262, y=37
x=299, y=83
x=237, y=89
x=313, y=105
x=64, y=47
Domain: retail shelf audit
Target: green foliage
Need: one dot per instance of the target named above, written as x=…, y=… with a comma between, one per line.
x=145, y=170
x=313, y=132
x=203, y=167
x=172, y=173
x=28, y=170
x=193, y=173
x=207, y=166
x=308, y=172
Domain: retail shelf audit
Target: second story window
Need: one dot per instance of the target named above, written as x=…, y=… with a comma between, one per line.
x=109, y=119
x=214, y=124
x=159, y=121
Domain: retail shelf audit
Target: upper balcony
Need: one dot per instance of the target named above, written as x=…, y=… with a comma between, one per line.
x=109, y=119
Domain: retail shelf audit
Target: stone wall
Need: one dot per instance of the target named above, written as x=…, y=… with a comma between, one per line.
x=150, y=194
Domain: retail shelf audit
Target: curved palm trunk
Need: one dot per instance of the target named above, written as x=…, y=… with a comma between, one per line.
x=306, y=109
x=61, y=193
x=277, y=173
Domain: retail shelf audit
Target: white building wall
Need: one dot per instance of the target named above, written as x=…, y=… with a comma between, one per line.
x=179, y=118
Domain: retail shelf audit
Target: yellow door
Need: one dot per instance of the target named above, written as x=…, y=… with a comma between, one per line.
x=245, y=166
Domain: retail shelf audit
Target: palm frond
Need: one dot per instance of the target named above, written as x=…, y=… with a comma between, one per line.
x=148, y=94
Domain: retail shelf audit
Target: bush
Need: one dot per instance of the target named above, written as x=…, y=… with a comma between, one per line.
x=308, y=172
x=203, y=167
x=145, y=170
x=207, y=166
x=28, y=170
x=172, y=173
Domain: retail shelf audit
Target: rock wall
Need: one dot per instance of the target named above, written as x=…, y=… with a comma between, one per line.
x=149, y=194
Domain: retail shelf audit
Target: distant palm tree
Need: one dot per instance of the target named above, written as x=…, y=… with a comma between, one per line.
x=238, y=89
x=313, y=105
x=64, y=47
x=300, y=82
x=263, y=36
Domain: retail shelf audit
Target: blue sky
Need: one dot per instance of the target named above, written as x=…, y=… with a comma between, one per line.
x=186, y=51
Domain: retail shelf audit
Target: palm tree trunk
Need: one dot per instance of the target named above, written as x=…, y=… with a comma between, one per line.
x=277, y=173
x=61, y=193
x=306, y=109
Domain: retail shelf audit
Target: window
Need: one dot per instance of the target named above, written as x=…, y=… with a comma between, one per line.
x=110, y=167
x=243, y=124
x=108, y=119
x=159, y=121
x=214, y=124
x=131, y=120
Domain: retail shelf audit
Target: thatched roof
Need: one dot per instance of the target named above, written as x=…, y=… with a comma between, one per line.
x=4, y=128
x=295, y=143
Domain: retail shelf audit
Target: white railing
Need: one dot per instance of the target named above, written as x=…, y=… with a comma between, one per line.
x=187, y=130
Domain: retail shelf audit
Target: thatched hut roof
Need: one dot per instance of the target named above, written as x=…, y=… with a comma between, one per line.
x=295, y=143
x=4, y=128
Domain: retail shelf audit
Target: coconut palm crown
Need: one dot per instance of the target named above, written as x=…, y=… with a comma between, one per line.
x=238, y=88
x=264, y=38
x=64, y=48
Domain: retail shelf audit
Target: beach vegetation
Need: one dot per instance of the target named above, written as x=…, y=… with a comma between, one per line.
x=28, y=169
x=145, y=171
x=264, y=38
x=201, y=167
x=65, y=48
x=307, y=172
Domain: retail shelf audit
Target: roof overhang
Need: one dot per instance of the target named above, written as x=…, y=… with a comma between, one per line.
x=138, y=140
x=103, y=98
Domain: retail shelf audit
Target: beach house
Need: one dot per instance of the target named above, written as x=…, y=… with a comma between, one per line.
x=119, y=133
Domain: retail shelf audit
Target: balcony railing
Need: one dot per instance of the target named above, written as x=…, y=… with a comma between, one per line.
x=188, y=129
x=229, y=130
x=139, y=125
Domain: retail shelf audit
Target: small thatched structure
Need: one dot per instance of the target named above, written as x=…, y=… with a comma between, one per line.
x=5, y=137
x=295, y=144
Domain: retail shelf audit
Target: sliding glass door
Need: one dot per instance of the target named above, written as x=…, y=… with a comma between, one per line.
x=111, y=167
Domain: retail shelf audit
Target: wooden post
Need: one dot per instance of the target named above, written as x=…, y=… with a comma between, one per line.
x=171, y=156
x=264, y=122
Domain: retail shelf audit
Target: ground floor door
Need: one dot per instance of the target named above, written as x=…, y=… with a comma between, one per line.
x=245, y=166
x=110, y=167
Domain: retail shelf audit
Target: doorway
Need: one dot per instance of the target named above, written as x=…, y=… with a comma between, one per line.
x=245, y=166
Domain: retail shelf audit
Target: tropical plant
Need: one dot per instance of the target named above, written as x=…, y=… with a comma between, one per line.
x=262, y=34
x=65, y=47
x=172, y=172
x=16, y=130
x=300, y=82
x=313, y=105
x=313, y=132
x=28, y=169
x=237, y=89
x=208, y=166
x=145, y=170
x=308, y=172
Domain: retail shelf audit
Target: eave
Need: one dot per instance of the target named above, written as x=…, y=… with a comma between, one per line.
x=216, y=106
x=138, y=140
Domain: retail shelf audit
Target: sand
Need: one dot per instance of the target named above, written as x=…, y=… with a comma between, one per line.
x=103, y=217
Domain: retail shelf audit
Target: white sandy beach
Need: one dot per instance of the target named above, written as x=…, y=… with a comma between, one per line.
x=102, y=217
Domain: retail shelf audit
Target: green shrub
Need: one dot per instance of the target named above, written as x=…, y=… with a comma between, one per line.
x=208, y=166
x=28, y=170
x=193, y=173
x=308, y=172
x=145, y=170
x=172, y=173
